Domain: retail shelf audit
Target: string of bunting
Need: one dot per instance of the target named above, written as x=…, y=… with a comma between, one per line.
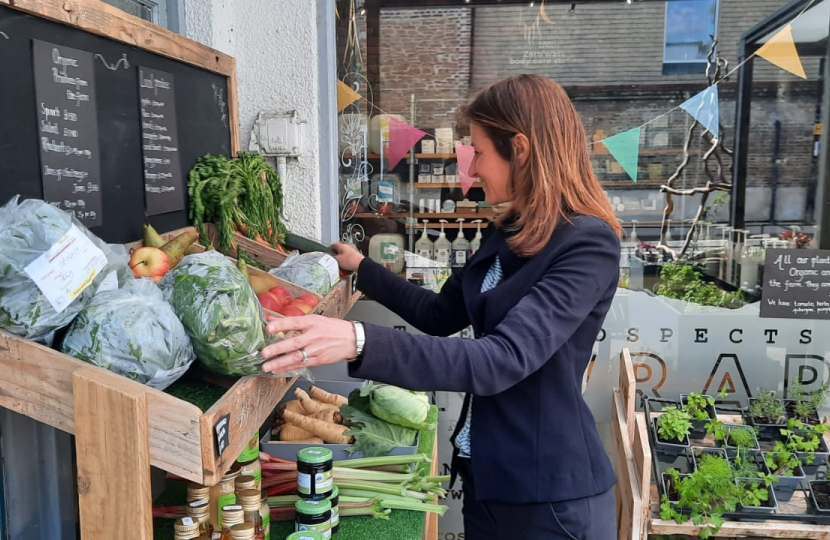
x=779, y=50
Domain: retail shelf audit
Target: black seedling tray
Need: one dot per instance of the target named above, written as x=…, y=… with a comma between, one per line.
x=684, y=462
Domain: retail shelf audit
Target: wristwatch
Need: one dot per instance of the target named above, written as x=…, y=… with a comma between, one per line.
x=360, y=338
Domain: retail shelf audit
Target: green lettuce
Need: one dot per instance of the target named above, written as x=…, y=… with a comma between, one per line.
x=372, y=436
x=397, y=405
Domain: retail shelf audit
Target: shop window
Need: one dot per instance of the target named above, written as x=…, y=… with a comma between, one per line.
x=690, y=28
x=161, y=12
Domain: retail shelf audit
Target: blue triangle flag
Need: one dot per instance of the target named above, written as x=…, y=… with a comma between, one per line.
x=704, y=107
x=625, y=147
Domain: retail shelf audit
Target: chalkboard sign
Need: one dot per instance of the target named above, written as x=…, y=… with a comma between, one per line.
x=92, y=160
x=160, y=141
x=68, y=126
x=796, y=284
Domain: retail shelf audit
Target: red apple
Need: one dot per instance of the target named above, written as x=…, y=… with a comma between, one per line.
x=149, y=262
x=268, y=302
x=308, y=299
x=302, y=306
x=279, y=300
x=291, y=311
x=282, y=293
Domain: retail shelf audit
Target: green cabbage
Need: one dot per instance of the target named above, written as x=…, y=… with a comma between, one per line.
x=131, y=331
x=220, y=313
x=397, y=405
x=315, y=271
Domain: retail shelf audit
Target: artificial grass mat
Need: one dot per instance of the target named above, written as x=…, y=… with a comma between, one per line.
x=401, y=525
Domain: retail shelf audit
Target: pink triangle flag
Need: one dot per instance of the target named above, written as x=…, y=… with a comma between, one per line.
x=402, y=137
x=464, y=154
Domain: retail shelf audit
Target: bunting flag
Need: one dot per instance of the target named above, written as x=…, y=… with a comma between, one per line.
x=704, y=107
x=402, y=137
x=345, y=96
x=464, y=154
x=781, y=51
x=625, y=147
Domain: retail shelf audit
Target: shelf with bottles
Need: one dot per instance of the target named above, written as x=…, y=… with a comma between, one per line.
x=427, y=215
x=443, y=185
x=419, y=155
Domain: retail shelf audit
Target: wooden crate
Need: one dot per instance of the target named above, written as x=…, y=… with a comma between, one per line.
x=638, y=502
x=337, y=303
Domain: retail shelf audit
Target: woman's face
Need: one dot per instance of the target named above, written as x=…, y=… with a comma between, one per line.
x=490, y=168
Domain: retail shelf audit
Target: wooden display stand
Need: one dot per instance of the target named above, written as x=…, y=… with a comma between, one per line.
x=638, y=503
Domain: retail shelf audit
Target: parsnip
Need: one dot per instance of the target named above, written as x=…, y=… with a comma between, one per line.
x=310, y=406
x=290, y=432
x=332, y=416
x=327, y=397
x=330, y=433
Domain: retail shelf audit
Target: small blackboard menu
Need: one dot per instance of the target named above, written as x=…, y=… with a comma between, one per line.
x=163, y=185
x=796, y=284
x=68, y=130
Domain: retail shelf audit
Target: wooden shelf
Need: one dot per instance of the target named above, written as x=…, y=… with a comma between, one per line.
x=450, y=226
x=442, y=185
x=417, y=156
x=425, y=215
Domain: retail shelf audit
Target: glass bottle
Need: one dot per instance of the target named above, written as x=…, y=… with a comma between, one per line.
x=251, y=501
x=221, y=495
x=232, y=514
x=265, y=512
x=248, y=461
x=185, y=528
x=199, y=510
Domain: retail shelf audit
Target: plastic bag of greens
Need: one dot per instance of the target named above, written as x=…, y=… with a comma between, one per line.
x=131, y=331
x=220, y=313
x=50, y=268
x=315, y=271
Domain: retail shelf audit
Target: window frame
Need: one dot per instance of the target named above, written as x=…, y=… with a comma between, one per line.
x=685, y=67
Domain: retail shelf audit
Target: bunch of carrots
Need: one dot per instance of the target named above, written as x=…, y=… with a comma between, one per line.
x=311, y=419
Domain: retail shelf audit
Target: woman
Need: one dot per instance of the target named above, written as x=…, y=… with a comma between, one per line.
x=536, y=294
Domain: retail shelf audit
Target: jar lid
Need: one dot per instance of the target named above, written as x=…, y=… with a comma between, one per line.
x=245, y=482
x=243, y=531
x=314, y=455
x=198, y=490
x=305, y=535
x=312, y=508
x=249, y=498
x=335, y=492
x=186, y=525
x=232, y=514
x=232, y=473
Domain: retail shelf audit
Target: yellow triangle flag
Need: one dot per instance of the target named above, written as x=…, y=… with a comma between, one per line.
x=345, y=96
x=780, y=50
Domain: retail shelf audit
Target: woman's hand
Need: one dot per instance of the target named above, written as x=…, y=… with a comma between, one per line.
x=348, y=257
x=325, y=341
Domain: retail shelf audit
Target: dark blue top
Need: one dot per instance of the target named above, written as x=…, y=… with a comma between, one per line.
x=535, y=439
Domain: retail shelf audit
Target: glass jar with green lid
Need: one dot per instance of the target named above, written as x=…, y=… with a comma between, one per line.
x=313, y=516
x=315, y=476
x=305, y=535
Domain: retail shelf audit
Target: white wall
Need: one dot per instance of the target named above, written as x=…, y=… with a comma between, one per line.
x=275, y=46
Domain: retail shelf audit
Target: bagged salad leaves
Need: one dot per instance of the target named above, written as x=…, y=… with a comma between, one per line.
x=315, y=271
x=131, y=331
x=219, y=311
x=50, y=268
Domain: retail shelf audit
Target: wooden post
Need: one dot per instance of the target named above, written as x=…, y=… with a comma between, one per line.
x=113, y=451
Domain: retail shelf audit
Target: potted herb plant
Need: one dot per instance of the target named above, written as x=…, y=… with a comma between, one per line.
x=820, y=495
x=701, y=409
x=672, y=429
x=767, y=414
x=804, y=405
x=756, y=494
x=699, y=451
x=786, y=467
x=706, y=494
x=807, y=443
x=739, y=437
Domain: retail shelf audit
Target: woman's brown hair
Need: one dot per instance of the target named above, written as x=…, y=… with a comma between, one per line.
x=556, y=181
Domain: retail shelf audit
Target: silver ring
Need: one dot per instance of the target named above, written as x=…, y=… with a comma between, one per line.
x=305, y=356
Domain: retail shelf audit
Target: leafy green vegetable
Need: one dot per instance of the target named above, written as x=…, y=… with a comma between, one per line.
x=674, y=424
x=397, y=405
x=131, y=331
x=220, y=313
x=315, y=271
x=684, y=282
x=27, y=231
x=373, y=436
